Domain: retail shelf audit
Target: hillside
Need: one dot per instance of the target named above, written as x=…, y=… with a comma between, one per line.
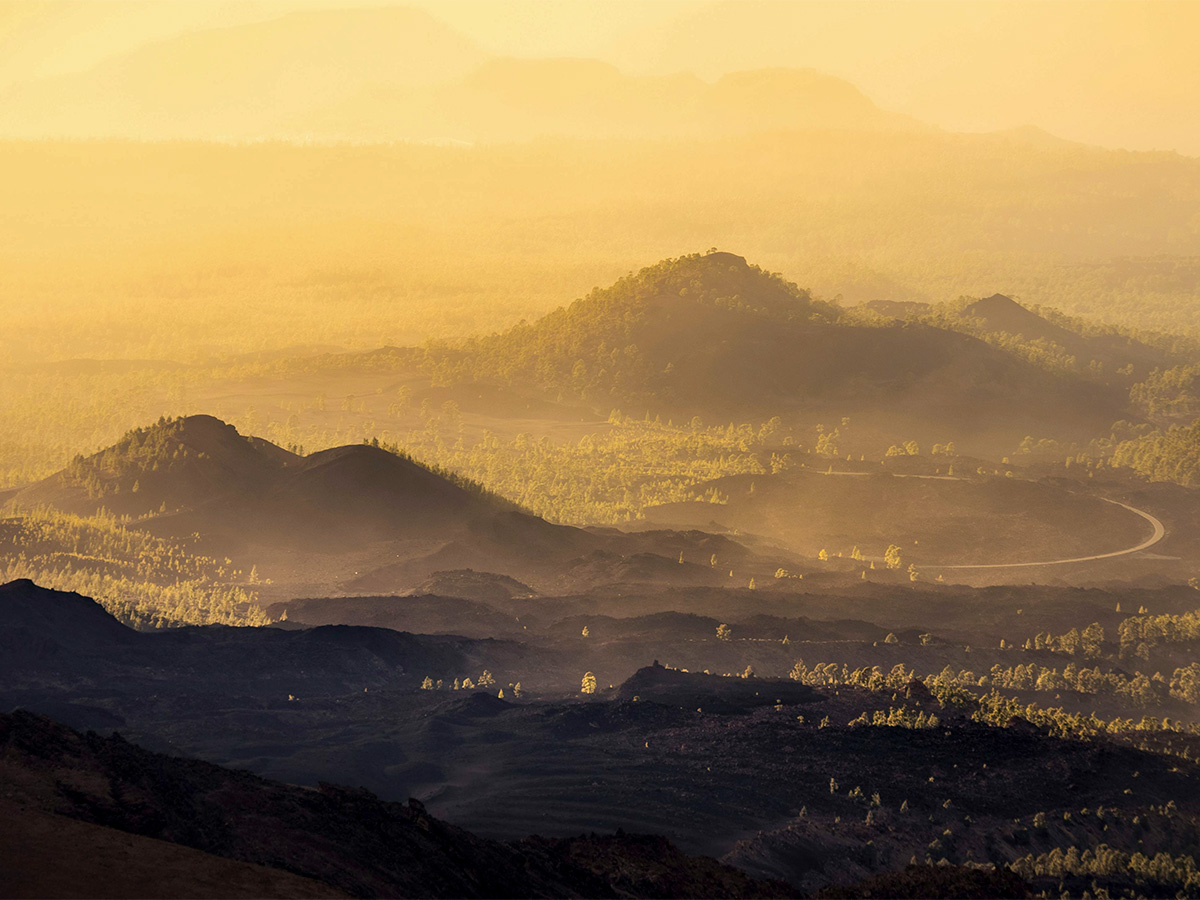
x=51, y=638
x=713, y=336
x=1113, y=350
x=199, y=469
x=346, y=838
x=359, y=518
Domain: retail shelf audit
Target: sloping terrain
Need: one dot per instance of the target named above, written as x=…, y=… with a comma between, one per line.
x=713, y=336
x=887, y=696
x=358, y=518
x=54, y=638
x=345, y=838
x=43, y=854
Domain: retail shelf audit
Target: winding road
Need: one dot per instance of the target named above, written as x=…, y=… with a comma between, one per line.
x=1160, y=532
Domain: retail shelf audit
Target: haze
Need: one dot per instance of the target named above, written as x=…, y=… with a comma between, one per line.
x=1108, y=72
x=599, y=449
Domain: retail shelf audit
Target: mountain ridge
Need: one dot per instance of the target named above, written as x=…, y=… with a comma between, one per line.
x=710, y=335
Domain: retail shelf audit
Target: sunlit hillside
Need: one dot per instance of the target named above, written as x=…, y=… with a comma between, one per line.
x=600, y=448
x=412, y=242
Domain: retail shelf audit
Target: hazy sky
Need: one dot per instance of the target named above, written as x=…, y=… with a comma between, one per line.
x=1114, y=72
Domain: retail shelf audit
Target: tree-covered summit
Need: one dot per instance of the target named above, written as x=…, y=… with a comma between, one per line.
x=609, y=344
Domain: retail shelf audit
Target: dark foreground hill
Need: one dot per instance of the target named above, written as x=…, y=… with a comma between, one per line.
x=836, y=750
x=714, y=336
x=354, y=843
x=50, y=639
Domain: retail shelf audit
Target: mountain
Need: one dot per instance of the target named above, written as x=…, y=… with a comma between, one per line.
x=171, y=465
x=1000, y=313
x=345, y=839
x=240, y=81
x=520, y=99
x=953, y=63
x=397, y=73
x=198, y=471
x=357, y=518
x=713, y=336
x=1113, y=350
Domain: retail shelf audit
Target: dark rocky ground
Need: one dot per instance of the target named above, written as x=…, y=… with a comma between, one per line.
x=766, y=774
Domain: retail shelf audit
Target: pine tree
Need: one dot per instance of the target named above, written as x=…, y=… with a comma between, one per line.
x=891, y=556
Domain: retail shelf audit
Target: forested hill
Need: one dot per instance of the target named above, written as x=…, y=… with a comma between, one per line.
x=712, y=335
x=619, y=342
x=201, y=466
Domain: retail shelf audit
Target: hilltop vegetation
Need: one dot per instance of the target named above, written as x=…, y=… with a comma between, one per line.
x=608, y=346
x=711, y=335
x=145, y=581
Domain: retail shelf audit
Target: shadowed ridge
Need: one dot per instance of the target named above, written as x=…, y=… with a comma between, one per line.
x=67, y=619
x=366, y=480
x=713, y=693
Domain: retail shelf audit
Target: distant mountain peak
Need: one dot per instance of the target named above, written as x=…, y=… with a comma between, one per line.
x=1002, y=313
x=999, y=302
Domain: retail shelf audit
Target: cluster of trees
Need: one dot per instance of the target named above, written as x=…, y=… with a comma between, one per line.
x=872, y=678
x=1140, y=633
x=1088, y=642
x=1136, y=635
x=144, y=581
x=1160, y=871
x=1169, y=394
x=605, y=478
x=897, y=717
x=485, y=680
x=1138, y=689
x=997, y=709
x=981, y=694
x=1172, y=454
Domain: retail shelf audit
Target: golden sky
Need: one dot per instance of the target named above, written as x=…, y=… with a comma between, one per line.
x=1111, y=72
